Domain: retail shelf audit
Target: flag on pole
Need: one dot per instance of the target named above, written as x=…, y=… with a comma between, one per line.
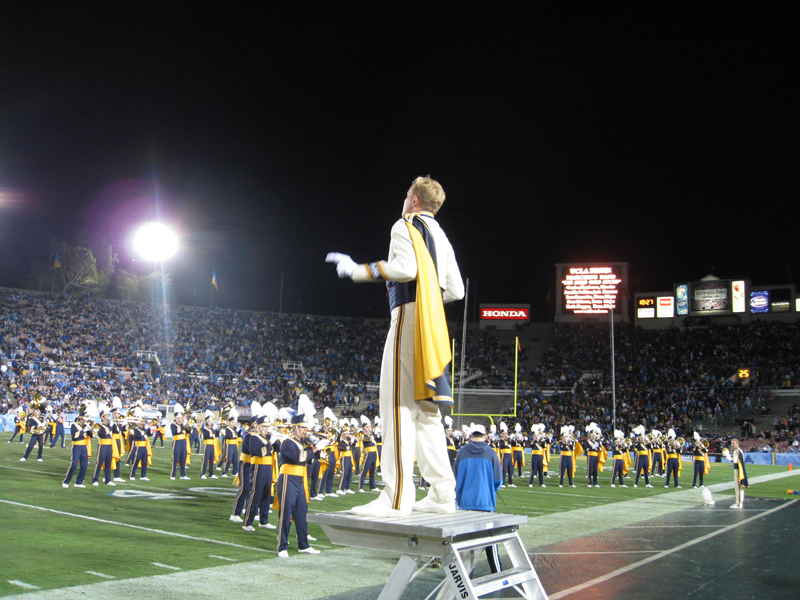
x=519, y=346
x=214, y=280
x=57, y=263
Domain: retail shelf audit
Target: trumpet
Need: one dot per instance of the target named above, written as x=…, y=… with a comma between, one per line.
x=704, y=444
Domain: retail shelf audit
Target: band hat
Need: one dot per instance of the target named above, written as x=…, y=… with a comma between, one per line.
x=299, y=420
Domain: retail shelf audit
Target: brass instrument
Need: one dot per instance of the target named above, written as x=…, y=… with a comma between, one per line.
x=704, y=444
x=680, y=442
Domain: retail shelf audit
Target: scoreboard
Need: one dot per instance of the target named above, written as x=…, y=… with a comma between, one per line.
x=588, y=291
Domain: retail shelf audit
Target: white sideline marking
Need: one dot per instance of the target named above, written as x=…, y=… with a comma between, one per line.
x=22, y=584
x=649, y=559
x=98, y=574
x=140, y=528
x=222, y=557
x=609, y=552
x=667, y=526
x=166, y=566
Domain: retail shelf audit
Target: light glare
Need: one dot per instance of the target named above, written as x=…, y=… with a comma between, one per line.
x=155, y=241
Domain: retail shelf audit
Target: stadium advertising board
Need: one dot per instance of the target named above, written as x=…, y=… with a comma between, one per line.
x=739, y=304
x=759, y=301
x=712, y=296
x=682, y=299
x=665, y=307
x=645, y=307
x=505, y=314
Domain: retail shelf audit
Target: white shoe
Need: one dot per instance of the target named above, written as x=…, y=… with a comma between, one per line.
x=543, y=485
x=511, y=485
x=95, y=483
x=735, y=506
x=39, y=460
x=309, y=550
x=501, y=486
x=248, y=528
x=185, y=477
x=144, y=479
x=203, y=477
x=636, y=485
x=311, y=538
x=22, y=459
x=360, y=491
x=172, y=479
x=119, y=480
x=612, y=485
x=376, y=508
x=648, y=485
x=110, y=483
x=224, y=475
x=219, y=468
x=350, y=491
x=422, y=487
x=235, y=519
x=530, y=485
x=573, y=485
x=342, y=492
x=560, y=486
x=319, y=497
x=267, y=526
x=214, y=477
x=428, y=504
x=79, y=485
x=622, y=485
x=64, y=485
x=283, y=554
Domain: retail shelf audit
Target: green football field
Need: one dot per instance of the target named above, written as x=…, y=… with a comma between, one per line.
x=56, y=537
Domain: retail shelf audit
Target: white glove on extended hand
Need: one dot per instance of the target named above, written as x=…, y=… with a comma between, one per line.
x=345, y=266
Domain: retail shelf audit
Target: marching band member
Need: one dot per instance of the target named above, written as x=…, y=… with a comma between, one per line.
x=327, y=460
x=292, y=489
x=232, y=442
x=657, y=468
x=208, y=433
x=452, y=446
x=50, y=425
x=371, y=457
x=506, y=459
x=117, y=434
x=538, y=448
x=194, y=440
x=422, y=275
x=517, y=449
x=261, y=459
x=736, y=456
x=158, y=430
x=642, y=457
x=19, y=426
x=180, y=431
x=567, y=448
x=619, y=458
x=594, y=449
x=345, y=462
x=106, y=450
x=81, y=432
x=674, y=467
x=701, y=465
x=139, y=449
x=245, y=475
x=36, y=427
x=59, y=422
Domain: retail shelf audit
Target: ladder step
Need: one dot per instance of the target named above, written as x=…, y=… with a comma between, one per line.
x=483, y=541
x=498, y=581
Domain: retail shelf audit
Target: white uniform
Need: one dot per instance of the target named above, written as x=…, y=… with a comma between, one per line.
x=409, y=425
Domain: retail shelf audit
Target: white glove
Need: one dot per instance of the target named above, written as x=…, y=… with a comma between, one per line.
x=345, y=266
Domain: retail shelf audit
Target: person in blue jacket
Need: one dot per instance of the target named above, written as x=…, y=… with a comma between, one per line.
x=478, y=477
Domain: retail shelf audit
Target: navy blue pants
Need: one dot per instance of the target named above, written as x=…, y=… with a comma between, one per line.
x=347, y=473
x=537, y=468
x=566, y=466
x=35, y=439
x=178, y=457
x=642, y=467
x=104, y=456
x=672, y=469
x=232, y=458
x=139, y=459
x=245, y=485
x=619, y=467
x=326, y=483
x=259, y=495
x=80, y=461
x=369, y=470
x=292, y=497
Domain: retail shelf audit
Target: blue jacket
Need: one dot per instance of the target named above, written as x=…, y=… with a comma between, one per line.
x=478, y=477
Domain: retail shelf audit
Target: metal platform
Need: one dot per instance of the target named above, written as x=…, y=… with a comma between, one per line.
x=456, y=539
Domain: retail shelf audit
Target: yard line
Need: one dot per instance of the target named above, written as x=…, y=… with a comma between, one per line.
x=163, y=566
x=649, y=559
x=22, y=584
x=222, y=557
x=98, y=574
x=139, y=527
x=667, y=526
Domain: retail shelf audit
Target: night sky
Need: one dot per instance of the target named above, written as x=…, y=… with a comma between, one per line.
x=667, y=139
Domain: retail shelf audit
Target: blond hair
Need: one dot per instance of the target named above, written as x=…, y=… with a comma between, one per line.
x=430, y=193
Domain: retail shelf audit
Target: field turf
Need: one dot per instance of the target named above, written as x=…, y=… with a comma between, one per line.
x=56, y=537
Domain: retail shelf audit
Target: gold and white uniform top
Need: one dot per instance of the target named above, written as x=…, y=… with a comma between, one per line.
x=402, y=263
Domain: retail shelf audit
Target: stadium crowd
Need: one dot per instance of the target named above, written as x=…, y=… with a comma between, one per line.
x=71, y=348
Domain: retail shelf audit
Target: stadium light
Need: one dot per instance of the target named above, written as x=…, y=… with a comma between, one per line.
x=155, y=242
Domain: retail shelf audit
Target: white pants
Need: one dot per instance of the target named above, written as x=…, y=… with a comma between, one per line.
x=409, y=426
